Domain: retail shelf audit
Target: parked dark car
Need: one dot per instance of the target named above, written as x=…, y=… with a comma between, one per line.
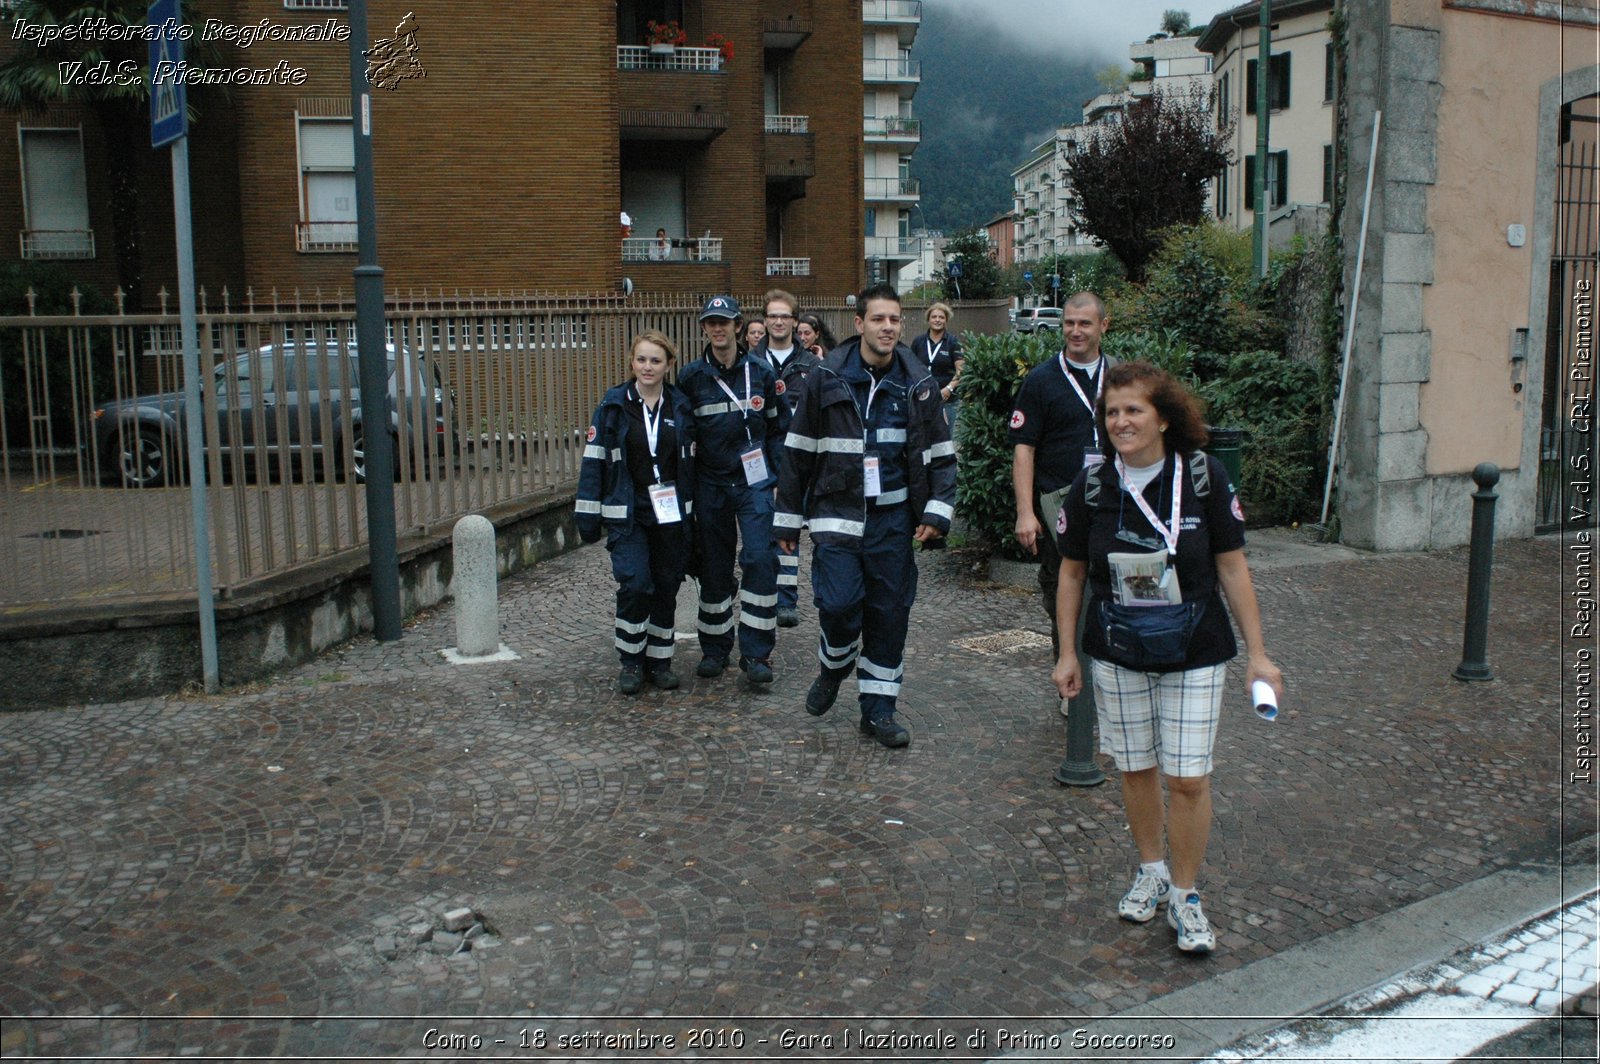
x=290, y=405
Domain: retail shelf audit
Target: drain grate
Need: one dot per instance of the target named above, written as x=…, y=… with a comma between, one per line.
x=64, y=533
x=1006, y=642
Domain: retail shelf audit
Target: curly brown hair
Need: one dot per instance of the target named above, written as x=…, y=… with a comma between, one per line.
x=1181, y=409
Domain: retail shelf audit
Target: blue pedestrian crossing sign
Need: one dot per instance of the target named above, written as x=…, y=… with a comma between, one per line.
x=169, y=104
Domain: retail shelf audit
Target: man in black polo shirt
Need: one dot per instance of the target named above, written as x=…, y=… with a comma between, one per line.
x=1052, y=430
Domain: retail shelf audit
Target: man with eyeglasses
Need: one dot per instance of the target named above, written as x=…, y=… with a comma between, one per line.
x=791, y=363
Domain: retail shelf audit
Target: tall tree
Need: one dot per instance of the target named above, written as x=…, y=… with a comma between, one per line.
x=1148, y=172
x=119, y=106
x=1174, y=22
x=980, y=274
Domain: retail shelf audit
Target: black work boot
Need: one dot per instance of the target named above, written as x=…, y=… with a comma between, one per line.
x=886, y=730
x=630, y=681
x=823, y=693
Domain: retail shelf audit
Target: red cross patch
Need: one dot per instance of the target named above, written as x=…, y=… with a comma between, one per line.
x=592, y=434
x=1017, y=419
x=757, y=402
x=780, y=388
x=1238, y=511
x=1061, y=521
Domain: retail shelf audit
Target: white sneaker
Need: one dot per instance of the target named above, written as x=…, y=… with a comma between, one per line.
x=1194, y=933
x=1144, y=897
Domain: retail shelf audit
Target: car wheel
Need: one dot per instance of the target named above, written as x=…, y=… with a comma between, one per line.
x=142, y=458
x=358, y=455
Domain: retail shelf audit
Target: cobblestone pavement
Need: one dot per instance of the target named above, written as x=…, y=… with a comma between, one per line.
x=285, y=851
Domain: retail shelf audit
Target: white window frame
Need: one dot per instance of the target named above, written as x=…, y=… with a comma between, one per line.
x=303, y=242
x=28, y=250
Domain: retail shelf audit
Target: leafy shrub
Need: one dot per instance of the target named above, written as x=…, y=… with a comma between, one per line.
x=990, y=377
x=1164, y=348
x=52, y=286
x=1277, y=402
x=1200, y=286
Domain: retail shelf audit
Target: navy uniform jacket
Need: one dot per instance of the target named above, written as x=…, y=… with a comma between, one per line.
x=605, y=487
x=822, y=485
x=725, y=429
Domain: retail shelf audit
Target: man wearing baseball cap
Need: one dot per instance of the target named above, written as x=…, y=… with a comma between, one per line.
x=739, y=424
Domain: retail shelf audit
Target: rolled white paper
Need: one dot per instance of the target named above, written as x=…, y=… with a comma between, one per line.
x=1265, y=699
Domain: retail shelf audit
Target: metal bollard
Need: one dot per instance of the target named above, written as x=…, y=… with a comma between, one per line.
x=1078, y=768
x=477, y=604
x=1474, y=646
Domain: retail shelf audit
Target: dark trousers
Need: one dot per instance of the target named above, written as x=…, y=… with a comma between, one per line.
x=730, y=518
x=647, y=561
x=864, y=593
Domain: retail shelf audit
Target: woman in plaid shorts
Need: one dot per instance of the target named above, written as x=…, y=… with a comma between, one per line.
x=1157, y=523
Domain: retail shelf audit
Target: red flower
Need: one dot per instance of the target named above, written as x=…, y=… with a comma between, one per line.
x=722, y=44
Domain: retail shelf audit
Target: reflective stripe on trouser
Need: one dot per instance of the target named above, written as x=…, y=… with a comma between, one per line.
x=788, y=578
x=863, y=596
x=729, y=517
x=647, y=561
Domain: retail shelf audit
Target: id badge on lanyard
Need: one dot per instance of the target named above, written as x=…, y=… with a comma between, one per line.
x=754, y=459
x=664, y=501
x=1099, y=386
x=663, y=495
x=871, y=465
x=755, y=466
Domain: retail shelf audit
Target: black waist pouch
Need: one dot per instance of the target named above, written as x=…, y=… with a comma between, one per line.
x=1145, y=637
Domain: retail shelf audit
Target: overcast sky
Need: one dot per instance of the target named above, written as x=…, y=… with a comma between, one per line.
x=1104, y=27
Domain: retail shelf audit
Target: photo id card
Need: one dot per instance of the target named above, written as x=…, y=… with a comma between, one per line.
x=755, y=466
x=664, y=500
x=873, y=482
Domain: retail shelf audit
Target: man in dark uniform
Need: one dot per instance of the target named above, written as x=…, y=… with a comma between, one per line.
x=868, y=467
x=1052, y=432
x=739, y=423
x=791, y=363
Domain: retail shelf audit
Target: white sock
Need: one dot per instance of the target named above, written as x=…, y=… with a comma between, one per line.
x=1157, y=869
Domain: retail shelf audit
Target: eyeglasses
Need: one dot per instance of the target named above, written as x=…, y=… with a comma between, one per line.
x=781, y=317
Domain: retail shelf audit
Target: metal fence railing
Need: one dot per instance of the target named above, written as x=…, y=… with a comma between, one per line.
x=490, y=400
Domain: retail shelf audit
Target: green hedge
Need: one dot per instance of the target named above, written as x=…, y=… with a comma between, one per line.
x=990, y=377
x=1277, y=402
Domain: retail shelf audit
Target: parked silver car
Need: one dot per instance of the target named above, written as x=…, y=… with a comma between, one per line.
x=288, y=405
x=1033, y=319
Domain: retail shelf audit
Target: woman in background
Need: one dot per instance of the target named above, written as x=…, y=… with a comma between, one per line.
x=813, y=335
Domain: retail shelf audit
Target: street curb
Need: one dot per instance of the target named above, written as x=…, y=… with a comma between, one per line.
x=1197, y=1021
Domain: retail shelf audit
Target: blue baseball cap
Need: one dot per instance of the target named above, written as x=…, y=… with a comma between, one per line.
x=720, y=307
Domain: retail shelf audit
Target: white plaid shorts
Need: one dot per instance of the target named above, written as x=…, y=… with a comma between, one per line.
x=1159, y=718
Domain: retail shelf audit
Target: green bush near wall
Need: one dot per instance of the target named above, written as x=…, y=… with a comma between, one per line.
x=1277, y=402
x=990, y=377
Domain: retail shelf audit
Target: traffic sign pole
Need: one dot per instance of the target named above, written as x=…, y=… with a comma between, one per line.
x=169, y=126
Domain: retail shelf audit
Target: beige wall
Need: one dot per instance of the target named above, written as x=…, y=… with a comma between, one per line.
x=1302, y=129
x=1487, y=168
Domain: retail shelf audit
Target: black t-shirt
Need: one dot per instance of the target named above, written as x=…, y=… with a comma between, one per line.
x=640, y=466
x=1050, y=416
x=1210, y=526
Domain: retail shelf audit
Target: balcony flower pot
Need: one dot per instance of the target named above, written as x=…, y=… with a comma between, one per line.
x=665, y=48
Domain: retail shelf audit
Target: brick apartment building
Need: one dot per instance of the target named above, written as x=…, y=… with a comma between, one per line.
x=504, y=167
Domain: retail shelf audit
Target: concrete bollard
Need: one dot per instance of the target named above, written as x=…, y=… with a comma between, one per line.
x=476, y=595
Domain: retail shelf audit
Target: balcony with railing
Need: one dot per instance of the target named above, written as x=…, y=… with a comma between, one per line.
x=893, y=247
x=903, y=72
x=904, y=15
x=788, y=267
x=691, y=249
x=57, y=243
x=788, y=123
x=325, y=237
x=667, y=57
x=892, y=130
x=882, y=189
x=785, y=24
